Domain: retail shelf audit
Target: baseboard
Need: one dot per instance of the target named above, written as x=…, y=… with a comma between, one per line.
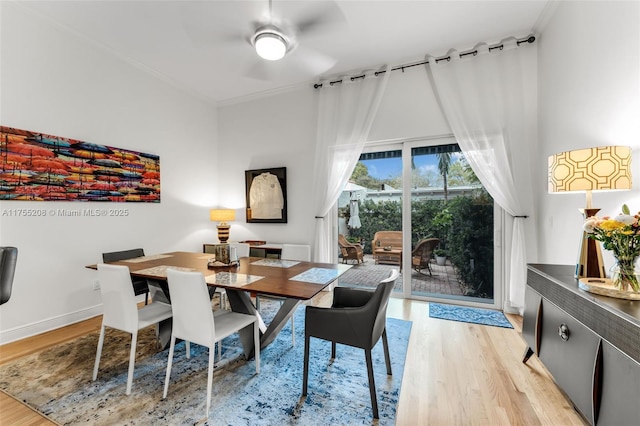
x=508, y=308
x=33, y=329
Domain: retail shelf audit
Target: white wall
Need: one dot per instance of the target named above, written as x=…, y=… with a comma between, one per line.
x=56, y=83
x=268, y=132
x=589, y=95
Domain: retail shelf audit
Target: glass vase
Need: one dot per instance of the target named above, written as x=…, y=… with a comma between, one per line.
x=625, y=275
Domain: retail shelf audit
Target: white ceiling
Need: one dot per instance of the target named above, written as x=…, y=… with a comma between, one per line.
x=202, y=47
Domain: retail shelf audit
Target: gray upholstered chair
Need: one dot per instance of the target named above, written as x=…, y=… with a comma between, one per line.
x=140, y=285
x=356, y=318
x=8, y=259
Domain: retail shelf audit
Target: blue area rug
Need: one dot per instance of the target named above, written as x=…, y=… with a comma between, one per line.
x=58, y=382
x=466, y=314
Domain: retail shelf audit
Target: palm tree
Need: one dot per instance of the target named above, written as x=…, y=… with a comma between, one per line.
x=444, y=161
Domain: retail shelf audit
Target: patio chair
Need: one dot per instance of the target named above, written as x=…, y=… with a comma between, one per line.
x=421, y=255
x=350, y=251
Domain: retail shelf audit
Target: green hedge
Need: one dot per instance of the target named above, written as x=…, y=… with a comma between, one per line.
x=470, y=245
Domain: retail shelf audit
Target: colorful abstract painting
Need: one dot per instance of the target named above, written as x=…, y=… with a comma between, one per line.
x=39, y=167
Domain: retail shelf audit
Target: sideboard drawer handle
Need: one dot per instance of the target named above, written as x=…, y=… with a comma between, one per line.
x=563, y=332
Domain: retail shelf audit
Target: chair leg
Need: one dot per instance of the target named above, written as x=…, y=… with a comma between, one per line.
x=372, y=383
x=187, y=348
x=169, y=362
x=98, y=353
x=132, y=360
x=385, y=345
x=305, y=373
x=210, y=378
x=333, y=350
x=293, y=331
x=146, y=298
x=257, y=303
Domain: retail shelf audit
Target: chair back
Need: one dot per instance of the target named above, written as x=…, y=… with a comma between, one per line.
x=296, y=252
x=191, y=304
x=425, y=248
x=120, y=309
x=342, y=241
x=242, y=249
x=8, y=260
x=114, y=256
x=381, y=299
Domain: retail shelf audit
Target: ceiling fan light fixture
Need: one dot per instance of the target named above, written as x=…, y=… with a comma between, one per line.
x=270, y=45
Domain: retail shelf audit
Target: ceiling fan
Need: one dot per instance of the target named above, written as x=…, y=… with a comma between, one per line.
x=277, y=36
x=280, y=39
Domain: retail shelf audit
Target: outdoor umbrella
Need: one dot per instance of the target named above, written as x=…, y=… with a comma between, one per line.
x=354, y=219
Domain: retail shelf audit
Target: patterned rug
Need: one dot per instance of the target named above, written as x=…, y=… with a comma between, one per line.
x=57, y=381
x=472, y=315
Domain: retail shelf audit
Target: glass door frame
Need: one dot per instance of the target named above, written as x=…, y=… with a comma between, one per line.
x=499, y=273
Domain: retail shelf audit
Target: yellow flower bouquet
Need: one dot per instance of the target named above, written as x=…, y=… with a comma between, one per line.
x=620, y=235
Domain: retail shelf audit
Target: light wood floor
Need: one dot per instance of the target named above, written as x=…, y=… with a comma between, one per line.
x=455, y=374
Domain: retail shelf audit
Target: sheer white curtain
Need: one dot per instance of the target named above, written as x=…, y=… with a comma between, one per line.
x=489, y=100
x=345, y=113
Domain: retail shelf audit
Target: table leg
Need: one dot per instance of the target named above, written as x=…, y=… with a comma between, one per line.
x=240, y=301
x=283, y=315
x=160, y=293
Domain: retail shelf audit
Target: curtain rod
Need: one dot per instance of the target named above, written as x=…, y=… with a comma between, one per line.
x=528, y=39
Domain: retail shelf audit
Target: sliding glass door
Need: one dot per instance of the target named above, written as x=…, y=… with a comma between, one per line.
x=419, y=206
x=451, y=223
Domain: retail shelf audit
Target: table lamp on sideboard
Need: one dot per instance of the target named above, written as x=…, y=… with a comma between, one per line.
x=603, y=168
x=222, y=216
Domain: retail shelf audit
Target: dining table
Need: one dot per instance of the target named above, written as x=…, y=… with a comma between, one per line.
x=292, y=280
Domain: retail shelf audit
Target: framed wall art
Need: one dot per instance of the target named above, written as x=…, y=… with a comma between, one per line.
x=266, y=195
x=39, y=167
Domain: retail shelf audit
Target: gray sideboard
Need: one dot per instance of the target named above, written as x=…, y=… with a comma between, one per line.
x=589, y=343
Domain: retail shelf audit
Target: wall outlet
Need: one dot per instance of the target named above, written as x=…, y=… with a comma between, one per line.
x=96, y=284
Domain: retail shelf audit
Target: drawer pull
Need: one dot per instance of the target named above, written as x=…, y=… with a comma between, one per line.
x=563, y=332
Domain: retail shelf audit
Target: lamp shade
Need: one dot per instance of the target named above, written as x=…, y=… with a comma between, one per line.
x=222, y=215
x=591, y=169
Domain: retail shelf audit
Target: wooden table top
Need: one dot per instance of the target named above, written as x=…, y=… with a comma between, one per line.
x=276, y=281
x=391, y=251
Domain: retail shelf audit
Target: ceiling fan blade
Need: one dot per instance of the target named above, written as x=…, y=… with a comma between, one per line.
x=311, y=61
x=318, y=17
x=265, y=70
x=300, y=64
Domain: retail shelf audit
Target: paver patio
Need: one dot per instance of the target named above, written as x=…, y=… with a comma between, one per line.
x=443, y=281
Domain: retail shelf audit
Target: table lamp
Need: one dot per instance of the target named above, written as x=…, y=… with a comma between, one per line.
x=222, y=216
x=592, y=169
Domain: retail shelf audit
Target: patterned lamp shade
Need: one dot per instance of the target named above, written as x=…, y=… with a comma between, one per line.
x=591, y=169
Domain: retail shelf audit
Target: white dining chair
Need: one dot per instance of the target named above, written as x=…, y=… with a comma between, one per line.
x=195, y=322
x=289, y=252
x=121, y=311
x=296, y=252
x=242, y=249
